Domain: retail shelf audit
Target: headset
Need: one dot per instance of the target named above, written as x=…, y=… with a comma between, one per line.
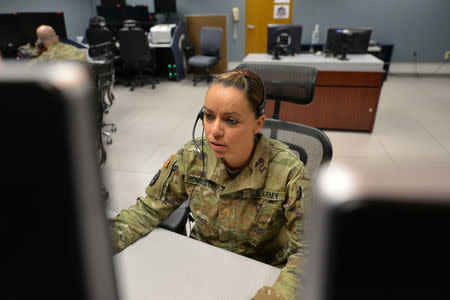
x=200, y=116
x=259, y=111
x=40, y=45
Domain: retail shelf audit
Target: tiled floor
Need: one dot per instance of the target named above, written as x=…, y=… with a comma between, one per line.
x=412, y=125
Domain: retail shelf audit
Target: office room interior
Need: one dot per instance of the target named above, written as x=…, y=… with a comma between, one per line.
x=406, y=81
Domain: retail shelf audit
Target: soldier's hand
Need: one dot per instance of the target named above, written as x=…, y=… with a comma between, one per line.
x=267, y=293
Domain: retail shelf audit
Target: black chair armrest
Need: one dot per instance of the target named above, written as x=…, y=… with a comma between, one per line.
x=177, y=220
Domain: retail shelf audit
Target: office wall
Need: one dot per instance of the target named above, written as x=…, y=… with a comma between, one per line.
x=412, y=25
x=235, y=48
x=76, y=13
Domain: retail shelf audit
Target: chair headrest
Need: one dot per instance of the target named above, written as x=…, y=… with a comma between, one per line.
x=293, y=84
x=97, y=21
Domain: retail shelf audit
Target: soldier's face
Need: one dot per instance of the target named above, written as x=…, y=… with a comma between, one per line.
x=230, y=125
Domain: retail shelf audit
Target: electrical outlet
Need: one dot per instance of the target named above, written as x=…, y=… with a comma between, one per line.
x=447, y=55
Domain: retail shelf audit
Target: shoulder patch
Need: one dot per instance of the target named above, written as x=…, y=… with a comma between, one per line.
x=155, y=178
x=167, y=162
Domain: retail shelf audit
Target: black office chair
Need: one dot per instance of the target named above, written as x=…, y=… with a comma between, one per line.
x=137, y=56
x=312, y=146
x=294, y=84
x=97, y=33
x=210, y=41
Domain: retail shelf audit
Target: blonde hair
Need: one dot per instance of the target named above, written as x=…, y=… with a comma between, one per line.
x=246, y=81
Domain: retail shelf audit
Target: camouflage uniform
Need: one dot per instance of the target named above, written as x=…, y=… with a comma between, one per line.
x=257, y=213
x=61, y=51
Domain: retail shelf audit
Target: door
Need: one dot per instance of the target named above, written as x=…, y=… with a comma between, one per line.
x=259, y=13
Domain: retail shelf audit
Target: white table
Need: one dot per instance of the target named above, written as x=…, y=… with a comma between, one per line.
x=165, y=265
x=355, y=62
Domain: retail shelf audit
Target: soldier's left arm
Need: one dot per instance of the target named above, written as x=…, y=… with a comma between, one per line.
x=289, y=283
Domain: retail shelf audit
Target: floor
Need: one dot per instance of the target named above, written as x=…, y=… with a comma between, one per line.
x=412, y=125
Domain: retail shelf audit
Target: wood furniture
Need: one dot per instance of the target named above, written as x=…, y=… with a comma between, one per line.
x=193, y=25
x=346, y=94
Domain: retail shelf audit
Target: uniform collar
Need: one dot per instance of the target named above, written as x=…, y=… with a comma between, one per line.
x=252, y=176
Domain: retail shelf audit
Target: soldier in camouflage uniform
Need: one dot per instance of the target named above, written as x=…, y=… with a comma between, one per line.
x=53, y=49
x=247, y=193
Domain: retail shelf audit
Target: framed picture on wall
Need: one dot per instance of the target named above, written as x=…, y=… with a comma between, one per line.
x=281, y=11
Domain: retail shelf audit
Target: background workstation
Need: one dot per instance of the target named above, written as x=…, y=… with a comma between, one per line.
x=412, y=112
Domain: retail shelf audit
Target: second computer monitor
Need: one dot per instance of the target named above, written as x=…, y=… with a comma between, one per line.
x=341, y=41
x=284, y=39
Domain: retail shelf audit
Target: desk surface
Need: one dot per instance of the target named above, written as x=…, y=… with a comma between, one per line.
x=355, y=62
x=166, y=265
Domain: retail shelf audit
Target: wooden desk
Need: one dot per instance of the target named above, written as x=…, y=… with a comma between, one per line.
x=166, y=265
x=346, y=94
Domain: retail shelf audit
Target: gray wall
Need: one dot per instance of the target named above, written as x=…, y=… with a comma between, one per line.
x=76, y=13
x=412, y=25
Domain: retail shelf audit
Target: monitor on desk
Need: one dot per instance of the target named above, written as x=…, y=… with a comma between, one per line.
x=29, y=22
x=380, y=234
x=9, y=34
x=341, y=41
x=284, y=39
x=165, y=6
x=113, y=15
x=56, y=242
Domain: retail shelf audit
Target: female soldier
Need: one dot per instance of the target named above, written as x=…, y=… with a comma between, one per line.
x=247, y=192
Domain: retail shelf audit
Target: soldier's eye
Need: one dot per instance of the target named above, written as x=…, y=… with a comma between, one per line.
x=232, y=121
x=209, y=116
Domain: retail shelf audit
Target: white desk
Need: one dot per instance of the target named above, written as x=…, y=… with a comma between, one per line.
x=346, y=94
x=355, y=62
x=165, y=265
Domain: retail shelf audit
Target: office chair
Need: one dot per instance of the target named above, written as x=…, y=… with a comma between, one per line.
x=97, y=33
x=294, y=84
x=312, y=146
x=210, y=41
x=137, y=56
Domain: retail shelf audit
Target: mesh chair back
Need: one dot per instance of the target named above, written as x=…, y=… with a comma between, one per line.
x=210, y=41
x=286, y=83
x=98, y=35
x=134, y=48
x=310, y=144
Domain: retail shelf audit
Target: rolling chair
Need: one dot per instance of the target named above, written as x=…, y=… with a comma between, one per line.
x=210, y=41
x=312, y=146
x=136, y=56
x=97, y=33
x=104, y=76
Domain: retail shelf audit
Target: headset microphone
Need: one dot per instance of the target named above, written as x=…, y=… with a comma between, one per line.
x=199, y=117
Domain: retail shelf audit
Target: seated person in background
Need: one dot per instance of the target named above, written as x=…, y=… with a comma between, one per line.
x=247, y=196
x=48, y=47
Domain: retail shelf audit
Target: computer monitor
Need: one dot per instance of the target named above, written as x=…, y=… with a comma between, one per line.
x=29, y=22
x=341, y=41
x=113, y=15
x=165, y=6
x=138, y=12
x=9, y=34
x=379, y=233
x=56, y=239
x=284, y=39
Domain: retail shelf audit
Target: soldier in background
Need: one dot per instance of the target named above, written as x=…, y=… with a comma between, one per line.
x=49, y=48
x=247, y=193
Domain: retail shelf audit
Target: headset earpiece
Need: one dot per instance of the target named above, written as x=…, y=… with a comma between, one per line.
x=200, y=116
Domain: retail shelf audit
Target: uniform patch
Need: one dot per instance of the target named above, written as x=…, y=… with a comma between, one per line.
x=167, y=162
x=155, y=178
